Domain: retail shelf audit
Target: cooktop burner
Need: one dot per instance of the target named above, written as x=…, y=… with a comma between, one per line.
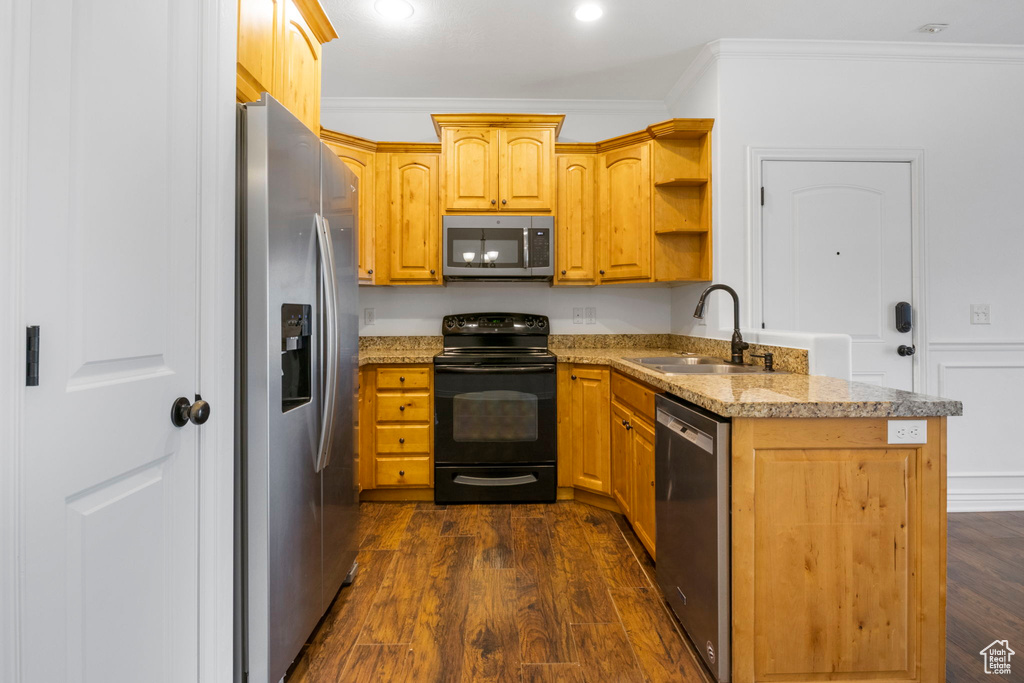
x=495, y=338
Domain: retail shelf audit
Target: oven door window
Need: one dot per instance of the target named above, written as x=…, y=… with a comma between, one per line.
x=494, y=416
x=485, y=248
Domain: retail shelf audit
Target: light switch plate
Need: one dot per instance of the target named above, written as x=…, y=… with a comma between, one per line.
x=590, y=313
x=577, y=316
x=908, y=431
x=981, y=314
x=369, y=316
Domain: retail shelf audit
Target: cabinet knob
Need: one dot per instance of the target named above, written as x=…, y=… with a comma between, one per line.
x=601, y=271
x=432, y=271
x=401, y=379
x=401, y=408
x=504, y=201
x=623, y=423
x=401, y=473
x=628, y=426
x=401, y=439
x=494, y=201
x=370, y=271
x=563, y=272
x=572, y=376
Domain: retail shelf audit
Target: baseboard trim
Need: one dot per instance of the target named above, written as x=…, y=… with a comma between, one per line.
x=985, y=492
x=598, y=500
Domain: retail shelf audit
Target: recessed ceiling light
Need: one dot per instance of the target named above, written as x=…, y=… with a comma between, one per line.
x=393, y=9
x=588, y=12
x=933, y=28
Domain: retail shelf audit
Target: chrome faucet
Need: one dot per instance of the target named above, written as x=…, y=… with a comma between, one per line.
x=738, y=345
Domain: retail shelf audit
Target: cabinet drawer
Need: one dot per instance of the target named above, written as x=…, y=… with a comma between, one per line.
x=637, y=396
x=403, y=407
x=403, y=472
x=403, y=378
x=403, y=438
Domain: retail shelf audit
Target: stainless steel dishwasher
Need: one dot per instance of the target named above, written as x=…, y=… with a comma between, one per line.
x=692, y=513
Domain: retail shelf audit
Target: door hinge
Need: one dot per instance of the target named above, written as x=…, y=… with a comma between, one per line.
x=32, y=356
x=762, y=195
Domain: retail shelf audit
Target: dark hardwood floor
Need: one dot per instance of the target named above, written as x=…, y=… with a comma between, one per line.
x=531, y=593
x=985, y=592
x=565, y=592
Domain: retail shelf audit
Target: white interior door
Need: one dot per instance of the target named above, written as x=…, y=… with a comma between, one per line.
x=109, y=565
x=837, y=258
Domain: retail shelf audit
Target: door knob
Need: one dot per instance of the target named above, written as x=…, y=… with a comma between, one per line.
x=905, y=350
x=184, y=411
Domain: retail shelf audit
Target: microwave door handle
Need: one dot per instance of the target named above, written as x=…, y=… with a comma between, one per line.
x=526, y=247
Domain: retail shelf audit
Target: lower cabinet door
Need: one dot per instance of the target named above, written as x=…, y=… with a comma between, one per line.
x=622, y=459
x=643, y=482
x=590, y=389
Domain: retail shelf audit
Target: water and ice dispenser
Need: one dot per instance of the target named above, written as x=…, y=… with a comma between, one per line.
x=296, y=346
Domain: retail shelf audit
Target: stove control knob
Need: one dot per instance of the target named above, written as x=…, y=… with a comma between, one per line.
x=462, y=322
x=529, y=322
x=449, y=323
x=542, y=323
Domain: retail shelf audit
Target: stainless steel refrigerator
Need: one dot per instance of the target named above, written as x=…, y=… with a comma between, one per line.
x=297, y=383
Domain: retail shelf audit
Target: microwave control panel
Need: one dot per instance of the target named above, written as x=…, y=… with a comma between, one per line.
x=540, y=247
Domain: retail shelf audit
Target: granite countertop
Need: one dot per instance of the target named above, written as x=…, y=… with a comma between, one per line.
x=771, y=394
x=754, y=395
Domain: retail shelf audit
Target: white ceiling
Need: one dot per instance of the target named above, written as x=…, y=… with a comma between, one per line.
x=536, y=49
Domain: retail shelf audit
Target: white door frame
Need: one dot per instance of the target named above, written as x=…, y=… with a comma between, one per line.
x=919, y=275
x=215, y=345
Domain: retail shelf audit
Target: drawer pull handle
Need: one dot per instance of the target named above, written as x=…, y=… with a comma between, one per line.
x=495, y=481
x=401, y=439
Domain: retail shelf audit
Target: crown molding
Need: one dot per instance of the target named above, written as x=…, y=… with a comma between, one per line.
x=464, y=105
x=853, y=50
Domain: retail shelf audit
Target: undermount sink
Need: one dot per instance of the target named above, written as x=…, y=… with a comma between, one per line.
x=694, y=365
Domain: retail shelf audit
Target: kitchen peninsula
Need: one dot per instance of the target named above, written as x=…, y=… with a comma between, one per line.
x=838, y=548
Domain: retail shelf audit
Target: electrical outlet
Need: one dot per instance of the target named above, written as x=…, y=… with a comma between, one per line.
x=369, y=316
x=908, y=431
x=591, y=314
x=577, y=316
x=980, y=314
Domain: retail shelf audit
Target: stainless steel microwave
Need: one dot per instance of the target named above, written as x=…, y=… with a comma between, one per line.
x=499, y=248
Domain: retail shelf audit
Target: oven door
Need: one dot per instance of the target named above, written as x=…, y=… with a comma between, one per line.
x=491, y=415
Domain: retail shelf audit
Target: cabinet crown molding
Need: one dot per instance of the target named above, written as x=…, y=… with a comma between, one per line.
x=319, y=23
x=498, y=121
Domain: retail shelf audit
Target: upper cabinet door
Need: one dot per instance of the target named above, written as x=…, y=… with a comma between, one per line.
x=414, y=221
x=625, y=214
x=298, y=68
x=258, y=27
x=361, y=163
x=525, y=169
x=574, y=221
x=470, y=169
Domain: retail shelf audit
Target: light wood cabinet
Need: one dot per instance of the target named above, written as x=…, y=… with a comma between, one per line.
x=838, y=551
x=526, y=169
x=470, y=169
x=499, y=162
x=279, y=52
x=624, y=214
x=396, y=432
x=412, y=219
x=360, y=157
x=632, y=439
x=589, y=388
x=574, y=219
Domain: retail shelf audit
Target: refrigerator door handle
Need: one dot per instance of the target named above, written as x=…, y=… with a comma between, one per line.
x=329, y=291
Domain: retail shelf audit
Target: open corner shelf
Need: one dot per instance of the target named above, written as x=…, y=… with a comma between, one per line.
x=682, y=182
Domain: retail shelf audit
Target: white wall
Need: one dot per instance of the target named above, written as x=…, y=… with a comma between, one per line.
x=408, y=120
x=418, y=310
x=961, y=105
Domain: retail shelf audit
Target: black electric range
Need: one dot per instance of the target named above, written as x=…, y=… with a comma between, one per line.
x=495, y=426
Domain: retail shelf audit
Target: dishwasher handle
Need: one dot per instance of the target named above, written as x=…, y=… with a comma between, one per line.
x=691, y=434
